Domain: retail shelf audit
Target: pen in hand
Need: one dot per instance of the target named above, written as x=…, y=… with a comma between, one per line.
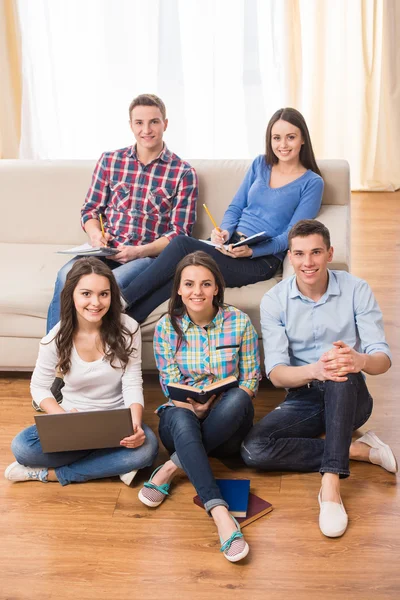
x=102, y=228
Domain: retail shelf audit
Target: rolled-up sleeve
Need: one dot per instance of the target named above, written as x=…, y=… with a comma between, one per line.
x=165, y=357
x=98, y=194
x=249, y=359
x=275, y=341
x=183, y=214
x=369, y=320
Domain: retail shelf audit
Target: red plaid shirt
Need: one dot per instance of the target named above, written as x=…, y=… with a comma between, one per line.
x=140, y=203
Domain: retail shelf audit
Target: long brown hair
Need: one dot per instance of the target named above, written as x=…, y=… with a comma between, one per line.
x=293, y=116
x=176, y=308
x=116, y=339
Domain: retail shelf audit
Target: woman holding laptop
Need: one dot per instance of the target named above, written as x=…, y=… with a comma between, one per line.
x=97, y=349
x=199, y=342
x=280, y=188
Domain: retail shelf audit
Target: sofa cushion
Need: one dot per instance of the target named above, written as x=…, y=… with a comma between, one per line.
x=30, y=273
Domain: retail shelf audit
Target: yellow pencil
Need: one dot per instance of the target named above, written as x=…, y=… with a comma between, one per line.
x=211, y=218
x=102, y=227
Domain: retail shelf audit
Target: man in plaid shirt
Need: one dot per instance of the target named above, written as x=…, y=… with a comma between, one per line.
x=146, y=195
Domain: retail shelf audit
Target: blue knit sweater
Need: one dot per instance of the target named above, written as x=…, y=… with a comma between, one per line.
x=257, y=207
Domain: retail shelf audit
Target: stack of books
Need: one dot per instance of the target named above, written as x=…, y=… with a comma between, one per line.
x=243, y=505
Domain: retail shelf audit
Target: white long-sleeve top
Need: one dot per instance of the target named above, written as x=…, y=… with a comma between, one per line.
x=90, y=385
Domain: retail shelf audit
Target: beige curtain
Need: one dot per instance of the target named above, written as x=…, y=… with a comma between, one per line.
x=337, y=61
x=349, y=87
x=10, y=91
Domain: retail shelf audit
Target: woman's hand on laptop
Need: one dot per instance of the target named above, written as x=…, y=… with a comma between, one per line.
x=135, y=440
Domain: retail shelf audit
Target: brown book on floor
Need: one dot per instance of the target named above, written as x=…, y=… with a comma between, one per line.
x=256, y=508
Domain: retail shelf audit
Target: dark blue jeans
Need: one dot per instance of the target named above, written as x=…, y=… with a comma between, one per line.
x=190, y=440
x=78, y=466
x=286, y=439
x=153, y=286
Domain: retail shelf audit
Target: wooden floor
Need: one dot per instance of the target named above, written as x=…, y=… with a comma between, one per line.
x=97, y=541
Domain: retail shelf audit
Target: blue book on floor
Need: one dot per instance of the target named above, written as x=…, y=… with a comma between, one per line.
x=236, y=493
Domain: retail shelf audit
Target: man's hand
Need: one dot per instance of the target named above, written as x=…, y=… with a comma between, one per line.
x=320, y=372
x=200, y=410
x=342, y=359
x=97, y=240
x=126, y=253
x=136, y=440
x=219, y=236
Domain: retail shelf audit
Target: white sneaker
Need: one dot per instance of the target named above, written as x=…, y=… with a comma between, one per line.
x=17, y=472
x=332, y=518
x=380, y=454
x=124, y=303
x=127, y=478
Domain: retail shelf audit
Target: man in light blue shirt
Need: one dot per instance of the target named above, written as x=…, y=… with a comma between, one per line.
x=321, y=329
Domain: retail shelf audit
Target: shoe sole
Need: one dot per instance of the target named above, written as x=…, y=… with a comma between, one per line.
x=148, y=502
x=239, y=556
x=370, y=435
x=36, y=407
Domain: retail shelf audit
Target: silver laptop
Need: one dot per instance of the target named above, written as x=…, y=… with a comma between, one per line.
x=89, y=430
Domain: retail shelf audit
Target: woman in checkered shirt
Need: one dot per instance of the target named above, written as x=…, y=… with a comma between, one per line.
x=201, y=340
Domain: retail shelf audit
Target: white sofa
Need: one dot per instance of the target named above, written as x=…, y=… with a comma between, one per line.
x=40, y=214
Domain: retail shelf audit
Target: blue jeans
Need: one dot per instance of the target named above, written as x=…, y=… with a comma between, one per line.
x=152, y=288
x=190, y=440
x=124, y=274
x=286, y=439
x=78, y=466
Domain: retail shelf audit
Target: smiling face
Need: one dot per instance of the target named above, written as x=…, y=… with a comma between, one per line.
x=92, y=299
x=310, y=257
x=148, y=128
x=197, y=290
x=286, y=142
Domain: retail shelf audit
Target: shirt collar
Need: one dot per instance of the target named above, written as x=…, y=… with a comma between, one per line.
x=165, y=154
x=216, y=323
x=333, y=288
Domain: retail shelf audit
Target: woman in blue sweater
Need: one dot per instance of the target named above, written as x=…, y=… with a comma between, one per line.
x=280, y=188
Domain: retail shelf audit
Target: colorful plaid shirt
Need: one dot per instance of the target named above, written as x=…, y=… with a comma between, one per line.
x=140, y=203
x=228, y=346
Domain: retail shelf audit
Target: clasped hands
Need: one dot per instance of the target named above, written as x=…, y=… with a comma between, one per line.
x=337, y=363
x=220, y=237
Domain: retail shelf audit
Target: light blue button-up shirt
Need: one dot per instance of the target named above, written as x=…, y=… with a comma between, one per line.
x=297, y=331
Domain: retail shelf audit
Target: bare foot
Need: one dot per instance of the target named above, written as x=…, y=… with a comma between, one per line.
x=359, y=451
x=223, y=521
x=330, y=488
x=166, y=473
x=51, y=475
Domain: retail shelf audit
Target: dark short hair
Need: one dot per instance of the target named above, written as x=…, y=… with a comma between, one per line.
x=308, y=227
x=148, y=100
x=294, y=117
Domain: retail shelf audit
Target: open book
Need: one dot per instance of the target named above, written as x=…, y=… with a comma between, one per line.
x=249, y=241
x=181, y=392
x=88, y=250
